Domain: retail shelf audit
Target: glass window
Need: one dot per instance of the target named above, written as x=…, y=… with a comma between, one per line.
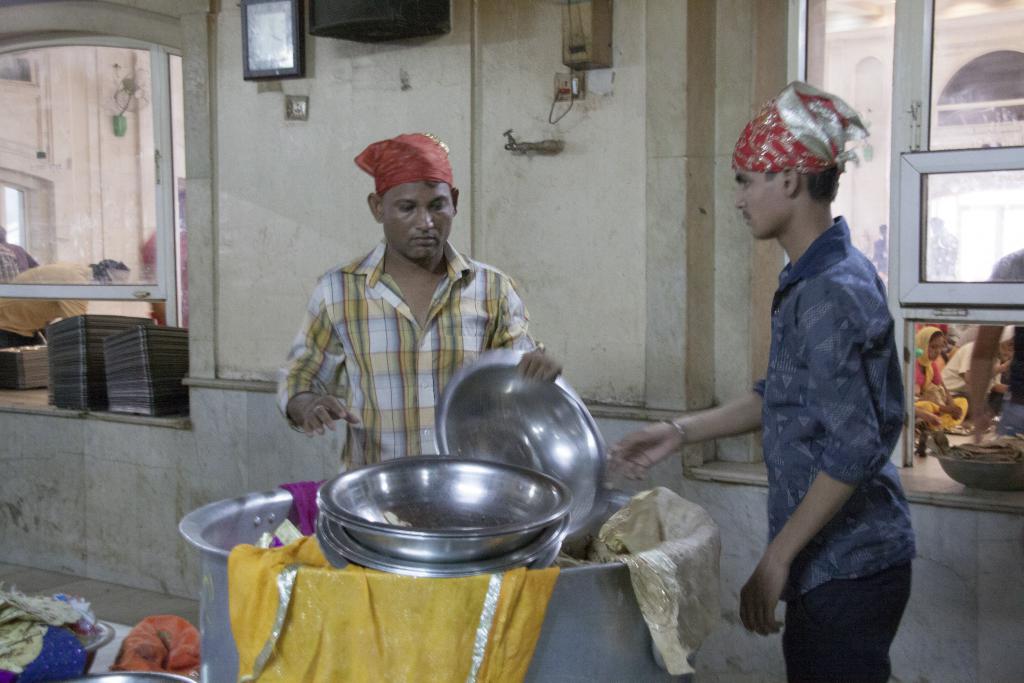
x=83, y=128
x=950, y=123
x=86, y=142
x=850, y=53
x=977, y=74
x=13, y=202
x=972, y=220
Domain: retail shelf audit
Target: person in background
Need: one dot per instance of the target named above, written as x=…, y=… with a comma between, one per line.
x=957, y=373
x=1010, y=268
x=831, y=408
x=881, y=252
x=25, y=260
x=8, y=264
x=930, y=394
x=948, y=343
x=383, y=334
x=22, y=320
x=943, y=252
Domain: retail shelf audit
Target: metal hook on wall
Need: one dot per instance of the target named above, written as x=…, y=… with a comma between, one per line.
x=547, y=147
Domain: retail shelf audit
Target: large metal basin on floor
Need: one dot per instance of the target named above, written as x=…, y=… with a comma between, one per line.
x=593, y=630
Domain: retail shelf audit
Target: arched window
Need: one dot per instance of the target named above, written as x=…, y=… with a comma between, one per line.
x=988, y=89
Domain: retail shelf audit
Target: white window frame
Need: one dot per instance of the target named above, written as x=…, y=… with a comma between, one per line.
x=915, y=167
x=911, y=300
x=165, y=287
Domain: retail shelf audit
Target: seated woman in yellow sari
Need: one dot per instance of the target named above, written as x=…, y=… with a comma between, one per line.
x=930, y=395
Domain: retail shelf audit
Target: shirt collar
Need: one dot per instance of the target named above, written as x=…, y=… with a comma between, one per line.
x=372, y=265
x=828, y=249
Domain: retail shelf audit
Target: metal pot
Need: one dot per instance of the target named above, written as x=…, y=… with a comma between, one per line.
x=593, y=629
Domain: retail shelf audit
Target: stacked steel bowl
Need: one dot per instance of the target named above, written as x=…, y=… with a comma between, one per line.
x=437, y=516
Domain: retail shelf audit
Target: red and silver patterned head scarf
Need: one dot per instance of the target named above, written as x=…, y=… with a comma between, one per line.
x=803, y=129
x=407, y=159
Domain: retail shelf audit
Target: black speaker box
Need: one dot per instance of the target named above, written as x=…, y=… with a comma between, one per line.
x=372, y=21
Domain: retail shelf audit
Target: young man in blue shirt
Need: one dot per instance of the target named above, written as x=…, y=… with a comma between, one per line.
x=830, y=406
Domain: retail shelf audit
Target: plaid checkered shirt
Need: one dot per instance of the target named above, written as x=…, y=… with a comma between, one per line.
x=360, y=341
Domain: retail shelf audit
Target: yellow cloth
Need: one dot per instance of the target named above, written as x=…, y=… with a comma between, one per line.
x=947, y=420
x=28, y=316
x=357, y=624
x=932, y=394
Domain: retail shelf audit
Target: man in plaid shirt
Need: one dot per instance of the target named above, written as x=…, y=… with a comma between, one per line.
x=383, y=335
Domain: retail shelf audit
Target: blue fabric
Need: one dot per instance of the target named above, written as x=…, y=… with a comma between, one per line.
x=62, y=657
x=843, y=629
x=1017, y=366
x=1011, y=421
x=833, y=403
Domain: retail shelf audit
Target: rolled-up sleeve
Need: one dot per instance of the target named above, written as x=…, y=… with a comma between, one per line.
x=840, y=392
x=513, y=328
x=317, y=356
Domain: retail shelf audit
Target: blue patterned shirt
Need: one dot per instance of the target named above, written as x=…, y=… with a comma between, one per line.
x=833, y=403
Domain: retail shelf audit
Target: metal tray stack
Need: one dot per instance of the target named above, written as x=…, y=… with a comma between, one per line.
x=442, y=517
x=145, y=367
x=24, y=367
x=77, y=376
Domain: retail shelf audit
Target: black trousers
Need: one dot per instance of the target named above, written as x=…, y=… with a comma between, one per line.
x=840, y=632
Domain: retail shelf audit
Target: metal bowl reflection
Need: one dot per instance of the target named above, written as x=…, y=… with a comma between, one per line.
x=489, y=411
x=992, y=476
x=129, y=677
x=443, y=509
x=340, y=548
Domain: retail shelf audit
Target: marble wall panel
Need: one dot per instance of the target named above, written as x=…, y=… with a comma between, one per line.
x=937, y=639
x=42, y=509
x=112, y=522
x=221, y=462
x=1000, y=596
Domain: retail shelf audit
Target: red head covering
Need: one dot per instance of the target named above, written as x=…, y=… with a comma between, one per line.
x=804, y=129
x=407, y=159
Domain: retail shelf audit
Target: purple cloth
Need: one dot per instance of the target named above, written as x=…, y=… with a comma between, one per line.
x=7, y=677
x=304, y=511
x=62, y=657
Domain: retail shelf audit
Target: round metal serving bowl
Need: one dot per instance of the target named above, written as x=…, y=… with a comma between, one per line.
x=442, y=509
x=340, y=549
x=489, y=411
x=92, y=642
x=979, y=474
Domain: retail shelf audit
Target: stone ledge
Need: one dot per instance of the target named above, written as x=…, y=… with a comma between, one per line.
x=921, y=485
x=252, y=385
x=34, y=402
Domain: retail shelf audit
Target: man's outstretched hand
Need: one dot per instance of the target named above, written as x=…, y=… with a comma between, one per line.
x=314, y=412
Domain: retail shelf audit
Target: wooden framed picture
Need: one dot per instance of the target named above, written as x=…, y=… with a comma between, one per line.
x=272, y=39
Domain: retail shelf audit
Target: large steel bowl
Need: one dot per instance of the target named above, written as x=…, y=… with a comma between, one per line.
x=489, y=411
x=457, y=510
x=992, y=476
x=340, y=548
